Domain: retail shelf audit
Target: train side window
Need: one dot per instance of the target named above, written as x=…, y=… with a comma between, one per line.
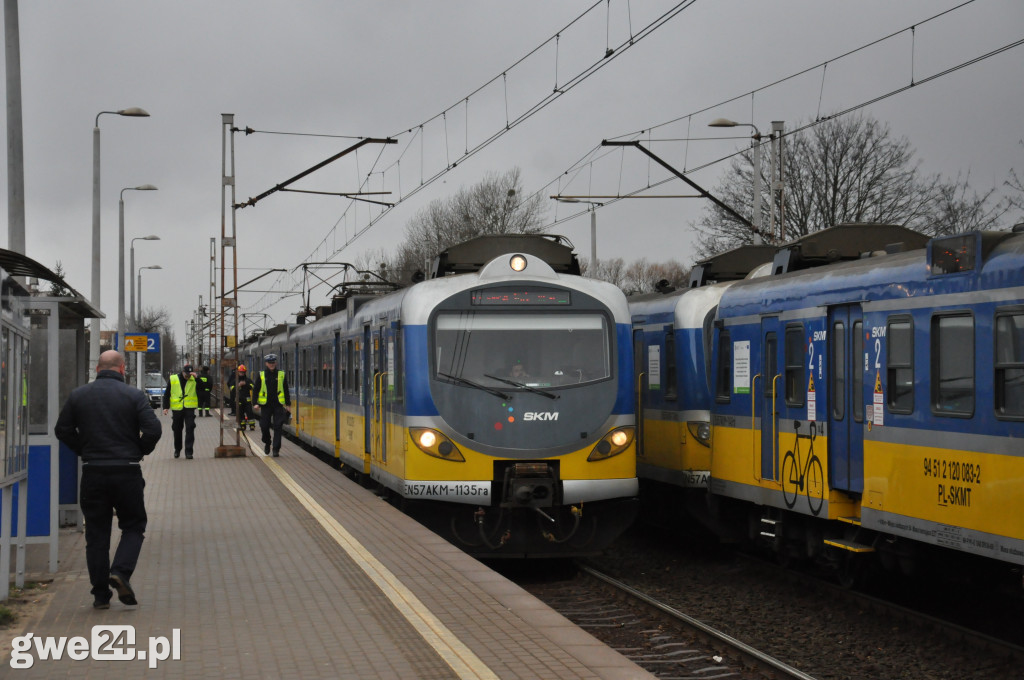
x=670, y=382
x=1009, y=365
x=952, y=365
x=900, y=365
x=838, y=370
x=346, y=368
x=858, y=372
x=398, y=379
x=723, y=376
x=796, y=381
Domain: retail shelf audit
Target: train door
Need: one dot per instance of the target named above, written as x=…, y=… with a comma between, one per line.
x=640, y=371
x=769, y=409
x=366, y=359
x=846, y=372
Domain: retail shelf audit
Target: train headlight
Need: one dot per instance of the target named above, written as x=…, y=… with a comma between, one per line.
x=700, y=430
x=612, y=444
x=433, y=443
x=518, y=263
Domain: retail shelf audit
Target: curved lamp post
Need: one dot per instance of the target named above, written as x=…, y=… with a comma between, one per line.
x=138, y=361
x=120, y=259
x=756, y=137
x=94, y=337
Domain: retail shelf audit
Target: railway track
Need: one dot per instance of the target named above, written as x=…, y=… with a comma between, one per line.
x=664, y=641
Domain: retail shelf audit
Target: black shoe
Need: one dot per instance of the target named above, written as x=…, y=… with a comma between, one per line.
x=177, y=453
x=266, y=449
x=101, y=603
x=124, y=589
x=277, y=454
x=232, y=413
x=188, y=455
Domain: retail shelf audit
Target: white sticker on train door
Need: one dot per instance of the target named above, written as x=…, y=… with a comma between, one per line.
x=741, y=367
x=879, y=410
x=391, y=365
x=812, y=401
x=654, y=367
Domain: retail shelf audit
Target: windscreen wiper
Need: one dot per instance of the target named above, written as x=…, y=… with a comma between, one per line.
x=549, y=395
x=478, y=386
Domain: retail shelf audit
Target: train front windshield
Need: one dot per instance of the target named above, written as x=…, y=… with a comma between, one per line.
x=536, y=350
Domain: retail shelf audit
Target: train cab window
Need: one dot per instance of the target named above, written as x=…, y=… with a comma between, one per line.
x=723, y=374
x=1009, y=365
x=554, y=349
x=670, y=381
x=796, y=380
x=953, y=365
x=900, y=365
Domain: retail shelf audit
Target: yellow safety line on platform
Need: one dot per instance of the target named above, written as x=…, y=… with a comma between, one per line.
x=456, y=654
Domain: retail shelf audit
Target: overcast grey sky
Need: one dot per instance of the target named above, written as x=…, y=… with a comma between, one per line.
x=378, y=68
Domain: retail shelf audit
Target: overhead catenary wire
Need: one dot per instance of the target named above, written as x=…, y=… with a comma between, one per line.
x=594, y=156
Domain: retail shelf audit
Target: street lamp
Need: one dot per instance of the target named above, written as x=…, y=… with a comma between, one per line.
x=120, y=259
x=756, y=137
x=594, y=205
x=131, y=268
x=94, y=337
x=138, y=360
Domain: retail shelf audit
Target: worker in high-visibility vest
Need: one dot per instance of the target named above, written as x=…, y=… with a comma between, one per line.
x=274, y=402
x=181, y=396
x=205, y=384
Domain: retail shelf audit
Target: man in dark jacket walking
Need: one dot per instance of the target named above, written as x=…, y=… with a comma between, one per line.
x=271, y=390
x=110, y=426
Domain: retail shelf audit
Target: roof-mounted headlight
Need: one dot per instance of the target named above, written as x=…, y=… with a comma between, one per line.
x=518, y=263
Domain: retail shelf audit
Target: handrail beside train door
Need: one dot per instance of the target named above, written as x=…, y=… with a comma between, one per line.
x=775, y=429
x=754, y=450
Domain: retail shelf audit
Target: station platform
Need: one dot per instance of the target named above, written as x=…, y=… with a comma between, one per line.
x=284, y=568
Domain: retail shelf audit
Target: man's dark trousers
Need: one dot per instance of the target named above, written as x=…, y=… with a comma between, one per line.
x=103, y=490
x=272, y=415
x=185, y=418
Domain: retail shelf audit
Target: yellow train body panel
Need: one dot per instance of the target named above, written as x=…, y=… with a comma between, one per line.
x=968, y=489
x=736, y=463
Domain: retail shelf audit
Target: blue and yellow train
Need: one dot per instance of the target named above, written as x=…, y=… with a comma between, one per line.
x=860, y=400
x=494, y=401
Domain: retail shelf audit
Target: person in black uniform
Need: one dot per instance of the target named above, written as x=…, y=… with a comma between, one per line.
x=110, y=426
x=203, y=387
x=274, y=402
x=240, y=390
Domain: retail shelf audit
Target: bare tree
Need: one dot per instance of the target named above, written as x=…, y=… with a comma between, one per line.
x=493, y=206
x=845, y=170
x=954, y=211
x=1016, y=200
x=158, y=320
